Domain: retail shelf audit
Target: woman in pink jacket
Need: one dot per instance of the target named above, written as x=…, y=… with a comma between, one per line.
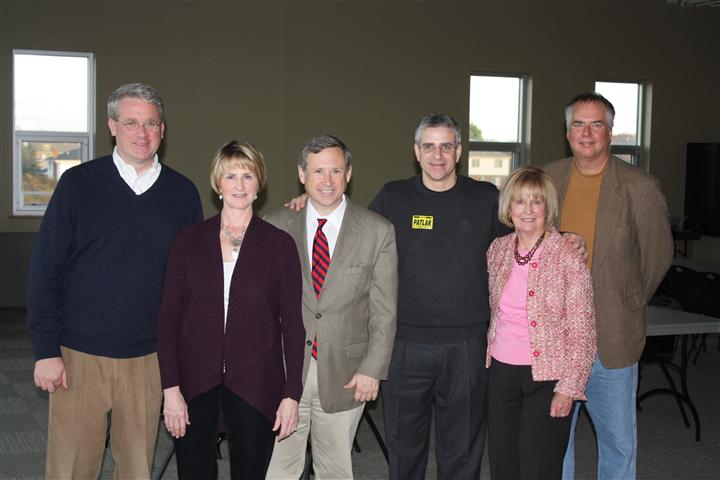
x=541, y=339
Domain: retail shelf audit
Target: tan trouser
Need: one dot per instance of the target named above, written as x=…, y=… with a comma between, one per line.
x=77, y=425
x=331, y=436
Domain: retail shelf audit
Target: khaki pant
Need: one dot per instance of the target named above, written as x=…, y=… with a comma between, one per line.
x=78, y=416
x=331, y=438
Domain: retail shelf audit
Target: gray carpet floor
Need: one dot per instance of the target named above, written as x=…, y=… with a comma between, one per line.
x=667, y=449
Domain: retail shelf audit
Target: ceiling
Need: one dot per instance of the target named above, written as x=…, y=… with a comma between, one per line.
x=696, y=3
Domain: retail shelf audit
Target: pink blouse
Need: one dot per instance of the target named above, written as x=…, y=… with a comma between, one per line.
x=511, y=344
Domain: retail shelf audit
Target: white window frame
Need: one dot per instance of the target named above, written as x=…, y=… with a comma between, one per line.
x=86, y=139
x=639, y=153
x=520, y=150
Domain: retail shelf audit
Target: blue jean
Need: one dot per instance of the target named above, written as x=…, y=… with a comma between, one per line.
x=611, y=404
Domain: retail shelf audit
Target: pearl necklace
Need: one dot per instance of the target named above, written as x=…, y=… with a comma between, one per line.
x=524, y=259
x=235, y=241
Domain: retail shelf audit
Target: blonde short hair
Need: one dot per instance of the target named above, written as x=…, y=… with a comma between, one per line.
x=533, y=182
x=236, y=154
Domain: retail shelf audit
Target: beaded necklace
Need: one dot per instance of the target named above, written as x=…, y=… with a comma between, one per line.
x=524, y=259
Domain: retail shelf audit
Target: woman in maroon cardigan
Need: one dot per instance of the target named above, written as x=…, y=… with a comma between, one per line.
x=230, y=329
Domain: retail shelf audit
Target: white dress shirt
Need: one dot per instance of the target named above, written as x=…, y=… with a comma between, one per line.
x=331, y=228
x=139, y=183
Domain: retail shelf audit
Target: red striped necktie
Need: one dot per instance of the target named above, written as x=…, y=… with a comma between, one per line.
x=320, y=257
x=320, y=265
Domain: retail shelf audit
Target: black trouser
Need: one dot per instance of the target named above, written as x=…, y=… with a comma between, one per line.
x=250, y=437
x=454, y=378
x=524, y=441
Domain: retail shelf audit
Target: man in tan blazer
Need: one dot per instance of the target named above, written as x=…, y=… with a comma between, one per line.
x=350, y=281
x=621, y=212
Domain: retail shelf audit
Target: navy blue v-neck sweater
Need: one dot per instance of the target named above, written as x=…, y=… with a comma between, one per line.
x=97, y=268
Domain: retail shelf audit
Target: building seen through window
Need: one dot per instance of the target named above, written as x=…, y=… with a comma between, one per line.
x=42, y=166
x=53, y=98
x=496, y=127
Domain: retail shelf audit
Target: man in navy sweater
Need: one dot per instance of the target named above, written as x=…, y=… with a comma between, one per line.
x=94, y=293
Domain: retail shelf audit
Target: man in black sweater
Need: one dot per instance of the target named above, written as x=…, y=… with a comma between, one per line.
x=94, y=293
x=444, y=223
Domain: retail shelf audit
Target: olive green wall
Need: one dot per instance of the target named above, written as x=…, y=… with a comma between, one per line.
x=277, y=72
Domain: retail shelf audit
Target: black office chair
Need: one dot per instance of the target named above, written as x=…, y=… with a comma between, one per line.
x=683, y=284
x=709, y=283
x=373, y=427
x=661, y=351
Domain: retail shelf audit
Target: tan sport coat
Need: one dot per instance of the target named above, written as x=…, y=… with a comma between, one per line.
x=354, y=318
x=633, y=251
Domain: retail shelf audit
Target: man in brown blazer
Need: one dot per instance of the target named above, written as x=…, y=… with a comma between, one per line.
x=349, y=263
x=621, y=212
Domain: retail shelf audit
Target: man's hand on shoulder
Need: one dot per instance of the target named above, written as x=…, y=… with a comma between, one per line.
x=366, y=388
x=50, y=374
x=298, y=203
x=578, y=243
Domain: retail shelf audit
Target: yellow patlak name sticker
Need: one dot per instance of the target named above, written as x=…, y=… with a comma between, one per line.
x=422, y=222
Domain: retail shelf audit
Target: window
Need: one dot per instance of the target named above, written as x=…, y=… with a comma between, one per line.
x=498, y=125
x=53, y=122
x=629, y=100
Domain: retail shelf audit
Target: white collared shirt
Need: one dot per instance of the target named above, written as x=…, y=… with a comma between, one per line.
x=139, y=183
x=331, y=228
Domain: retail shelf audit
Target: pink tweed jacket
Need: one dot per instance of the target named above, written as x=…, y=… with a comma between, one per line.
x=561, y=315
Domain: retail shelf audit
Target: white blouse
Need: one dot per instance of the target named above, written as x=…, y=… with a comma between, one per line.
x=228, y=268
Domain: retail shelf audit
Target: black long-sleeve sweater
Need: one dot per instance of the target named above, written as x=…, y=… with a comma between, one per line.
x=442, y=239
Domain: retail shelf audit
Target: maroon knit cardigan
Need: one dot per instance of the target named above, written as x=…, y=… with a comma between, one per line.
x=265, y=334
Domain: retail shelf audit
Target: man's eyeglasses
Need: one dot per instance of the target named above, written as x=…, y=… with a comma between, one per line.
x=134, y=126
x=596, y=125
x=444, y=147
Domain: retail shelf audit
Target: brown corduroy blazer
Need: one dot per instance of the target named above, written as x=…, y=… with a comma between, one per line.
x=633, y=250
